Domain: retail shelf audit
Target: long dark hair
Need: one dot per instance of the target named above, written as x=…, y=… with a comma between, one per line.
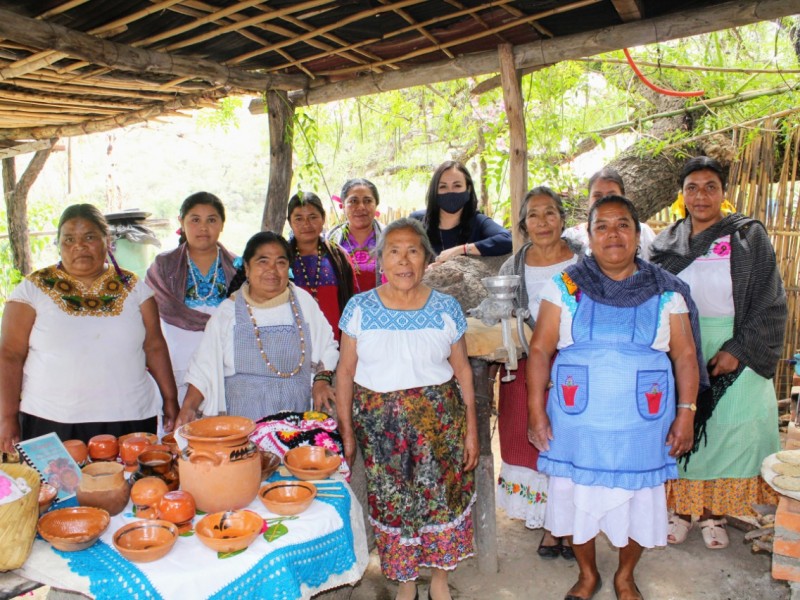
x=195, y=199
x=431, y=220
x=338, y=257
x=253, y=244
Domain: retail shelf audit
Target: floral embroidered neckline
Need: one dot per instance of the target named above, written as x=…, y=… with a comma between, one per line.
x=105, y=297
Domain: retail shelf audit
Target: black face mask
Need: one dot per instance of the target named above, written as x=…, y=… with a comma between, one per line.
x=452, y=202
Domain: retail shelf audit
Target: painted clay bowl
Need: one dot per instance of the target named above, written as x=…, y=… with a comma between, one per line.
x=103, y=447
x=77, y=450
x=146, y=493
x=287, y=497
x=74, y=528
x=230, y=530
x=151, y=438
x=269, y=464
x=47, y=493
x=177, y=507
x=145, y=541
x=311, y=462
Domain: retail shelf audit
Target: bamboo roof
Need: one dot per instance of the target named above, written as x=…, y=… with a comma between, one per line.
x=79, y=66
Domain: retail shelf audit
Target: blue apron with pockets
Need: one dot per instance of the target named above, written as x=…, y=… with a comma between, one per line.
x=612, y=400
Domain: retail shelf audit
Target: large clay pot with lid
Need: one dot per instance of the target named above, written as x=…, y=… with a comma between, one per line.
x=221, y=467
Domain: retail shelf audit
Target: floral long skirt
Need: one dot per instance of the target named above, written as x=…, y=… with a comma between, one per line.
x=418, y=493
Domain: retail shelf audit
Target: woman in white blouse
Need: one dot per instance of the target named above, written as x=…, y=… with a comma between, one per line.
x=78, y=340
x=268, y=348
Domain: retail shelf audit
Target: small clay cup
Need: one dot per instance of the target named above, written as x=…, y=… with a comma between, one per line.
x=47, y=493
x=158, y=463
x=103, y=447
x=146, y=493
x=177, y=507
x=169, y=441
x=129, y=450
x=77, y=450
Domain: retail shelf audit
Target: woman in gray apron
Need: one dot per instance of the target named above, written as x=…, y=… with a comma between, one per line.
x=267, y=349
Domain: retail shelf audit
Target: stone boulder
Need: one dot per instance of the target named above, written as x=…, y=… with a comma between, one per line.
x=461, y=277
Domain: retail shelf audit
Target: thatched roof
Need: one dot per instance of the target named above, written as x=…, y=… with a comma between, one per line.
x=78, y=66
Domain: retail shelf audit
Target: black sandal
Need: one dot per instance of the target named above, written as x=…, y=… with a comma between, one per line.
x=567, y=553
x=549, y=552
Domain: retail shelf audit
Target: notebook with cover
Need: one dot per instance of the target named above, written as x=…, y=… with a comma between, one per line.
x=50, y=458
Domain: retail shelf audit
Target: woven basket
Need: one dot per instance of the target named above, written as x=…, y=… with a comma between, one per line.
x=18, y=520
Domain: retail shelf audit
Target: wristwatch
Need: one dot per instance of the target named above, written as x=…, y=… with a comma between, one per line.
x=692, y=407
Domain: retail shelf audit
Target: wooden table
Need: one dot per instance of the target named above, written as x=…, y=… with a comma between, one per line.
x=484, y=346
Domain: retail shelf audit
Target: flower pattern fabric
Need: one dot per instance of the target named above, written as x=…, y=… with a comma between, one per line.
x=418, y=493
x=105, y=297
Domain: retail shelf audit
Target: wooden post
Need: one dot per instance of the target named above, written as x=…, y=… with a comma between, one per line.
x=518, y=154
x=483, y=513
x=281, y=130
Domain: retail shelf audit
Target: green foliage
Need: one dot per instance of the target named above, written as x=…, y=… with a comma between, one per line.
x=223, y=117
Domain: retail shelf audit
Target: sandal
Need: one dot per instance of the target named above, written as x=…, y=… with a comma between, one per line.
x=714, y=535
x=678, y=529
x=549, y=552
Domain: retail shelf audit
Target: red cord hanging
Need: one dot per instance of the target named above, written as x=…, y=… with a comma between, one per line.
x=653, y=86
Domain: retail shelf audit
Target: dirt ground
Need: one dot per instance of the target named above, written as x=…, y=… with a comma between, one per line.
x=687, y=571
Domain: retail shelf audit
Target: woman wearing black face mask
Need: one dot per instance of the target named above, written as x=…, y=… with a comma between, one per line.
x=453, y=223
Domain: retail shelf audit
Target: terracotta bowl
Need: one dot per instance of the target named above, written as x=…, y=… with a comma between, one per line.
x=75, y=528
x=77, y=450
x=169, y=441
x=146, y=493
x=178, y=507
x=219, y=429
x=145, y=541
x=230, y=530
x=47, y=493
x=151, y=438
x=130, y=448
x=103, y=447
x=287, y=497
x=311, y=462
x=269, y=464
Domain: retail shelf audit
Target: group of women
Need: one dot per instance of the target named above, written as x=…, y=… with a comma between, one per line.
x=637, y=366
x=87, y=348
x=634, y=366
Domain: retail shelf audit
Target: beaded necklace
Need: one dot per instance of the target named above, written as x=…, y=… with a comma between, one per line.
x=298, y=321
x=306, y=279
x=214, y=289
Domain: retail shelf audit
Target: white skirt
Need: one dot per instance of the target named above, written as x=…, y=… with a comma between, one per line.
x=583, y=511
x=522, y=493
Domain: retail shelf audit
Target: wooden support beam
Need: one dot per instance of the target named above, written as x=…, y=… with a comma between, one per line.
x=518, y=146
x=106, y=124
x=628, y=10
x=50, y=36
x=25, y=148
x=545, y=52
x=281, y=133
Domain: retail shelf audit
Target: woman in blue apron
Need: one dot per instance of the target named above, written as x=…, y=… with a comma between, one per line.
x=620, y=408
x=267, y=349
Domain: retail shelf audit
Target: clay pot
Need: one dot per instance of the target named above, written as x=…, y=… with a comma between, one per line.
x=103, y=486
x=103, y=447
x=157, y=463
x=130, y=449
x=146, y=493
x=150, y=437
x=177, y=507
x=78, y=451
x=221, y=467
x=169, y=441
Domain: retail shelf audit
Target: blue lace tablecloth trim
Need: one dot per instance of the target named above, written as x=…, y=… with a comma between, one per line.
x=277, y=576
x=111, y=575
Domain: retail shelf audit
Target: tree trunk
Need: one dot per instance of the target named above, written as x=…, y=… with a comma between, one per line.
x=16, y=197
x=281, y=134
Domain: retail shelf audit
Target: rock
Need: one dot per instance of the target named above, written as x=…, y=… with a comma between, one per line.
x=461, y=277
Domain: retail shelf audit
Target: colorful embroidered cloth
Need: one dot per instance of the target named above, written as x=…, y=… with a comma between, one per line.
x=297, y=557
x=285, y=430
